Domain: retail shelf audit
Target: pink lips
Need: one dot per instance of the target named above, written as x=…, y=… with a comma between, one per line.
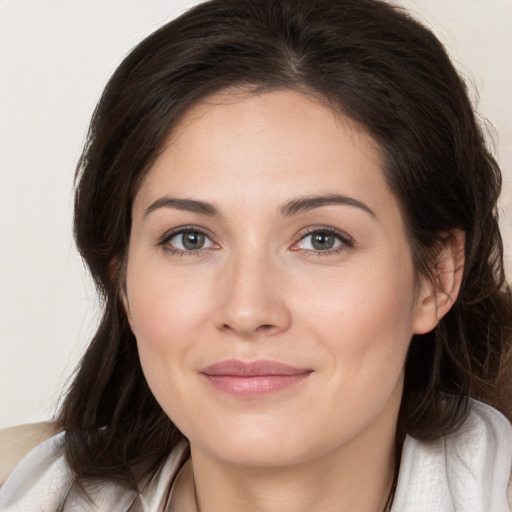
x=253, y=379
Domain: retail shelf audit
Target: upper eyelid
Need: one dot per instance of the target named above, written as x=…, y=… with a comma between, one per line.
x=183, y=229
x=319, y=229
x=343, y=235
x=346, y=242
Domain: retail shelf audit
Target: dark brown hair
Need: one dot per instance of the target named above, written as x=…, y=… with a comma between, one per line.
x=372, y=62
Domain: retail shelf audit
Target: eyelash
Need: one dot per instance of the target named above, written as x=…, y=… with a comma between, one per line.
x=169, y=235
x=347, y=242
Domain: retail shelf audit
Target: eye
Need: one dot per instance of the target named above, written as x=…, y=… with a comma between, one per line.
x=323, y=240
x=187, y=240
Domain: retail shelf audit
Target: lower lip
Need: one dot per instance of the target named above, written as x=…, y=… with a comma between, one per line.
x=254, y=385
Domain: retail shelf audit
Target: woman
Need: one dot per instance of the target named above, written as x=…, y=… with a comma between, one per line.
x=289, y=211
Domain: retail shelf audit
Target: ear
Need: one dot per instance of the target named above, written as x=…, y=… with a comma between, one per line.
x=438, y=293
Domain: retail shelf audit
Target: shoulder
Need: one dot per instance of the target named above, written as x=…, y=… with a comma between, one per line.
x=43, y=481
x=39, y=480
x=16, y=442
x=469, y=469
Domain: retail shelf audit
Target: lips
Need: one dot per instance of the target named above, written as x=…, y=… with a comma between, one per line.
x=256, y=378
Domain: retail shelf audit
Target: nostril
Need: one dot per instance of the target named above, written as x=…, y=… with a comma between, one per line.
x=265, y=327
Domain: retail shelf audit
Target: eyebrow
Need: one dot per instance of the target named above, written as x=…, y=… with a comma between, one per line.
x=292, y=207
x=306, y=203
x=188, y=205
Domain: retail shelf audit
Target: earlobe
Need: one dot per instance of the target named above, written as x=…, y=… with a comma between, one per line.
x=438, y=293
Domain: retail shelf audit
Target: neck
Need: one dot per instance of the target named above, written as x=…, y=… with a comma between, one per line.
x=356, y=477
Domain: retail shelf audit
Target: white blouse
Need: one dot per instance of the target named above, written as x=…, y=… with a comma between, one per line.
x=467, y=471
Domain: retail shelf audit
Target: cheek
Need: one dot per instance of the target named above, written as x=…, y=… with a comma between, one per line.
x=168, y=311
x=364, y=325
x=369, y=300
x=162, y=322
x=364, y=320
x=165, y=305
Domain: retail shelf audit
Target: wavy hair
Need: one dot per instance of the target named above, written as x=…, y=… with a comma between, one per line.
x=372, y=62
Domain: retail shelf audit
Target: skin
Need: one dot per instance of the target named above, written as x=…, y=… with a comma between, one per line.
x=259, y=289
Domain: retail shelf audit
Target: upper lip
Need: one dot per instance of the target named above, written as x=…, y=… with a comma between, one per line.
x=237, y=368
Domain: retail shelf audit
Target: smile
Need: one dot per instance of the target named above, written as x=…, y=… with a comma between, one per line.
x=253, y=379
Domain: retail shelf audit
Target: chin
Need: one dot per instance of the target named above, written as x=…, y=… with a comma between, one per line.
x=266, y=454
x=259, y=443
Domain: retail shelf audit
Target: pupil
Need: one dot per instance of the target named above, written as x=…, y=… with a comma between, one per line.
x=193, y=240
x=323, y=241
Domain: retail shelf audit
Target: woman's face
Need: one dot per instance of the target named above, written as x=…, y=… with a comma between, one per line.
x=269, y=281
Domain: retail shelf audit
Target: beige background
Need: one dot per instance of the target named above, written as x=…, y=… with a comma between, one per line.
x=55, y=57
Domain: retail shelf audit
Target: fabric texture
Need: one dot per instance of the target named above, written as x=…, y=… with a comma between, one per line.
x=467, y=471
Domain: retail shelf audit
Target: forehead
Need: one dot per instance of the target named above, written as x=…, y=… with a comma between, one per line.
x=265, y=147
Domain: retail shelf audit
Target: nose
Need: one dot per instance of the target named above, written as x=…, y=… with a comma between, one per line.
x=253, y=299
